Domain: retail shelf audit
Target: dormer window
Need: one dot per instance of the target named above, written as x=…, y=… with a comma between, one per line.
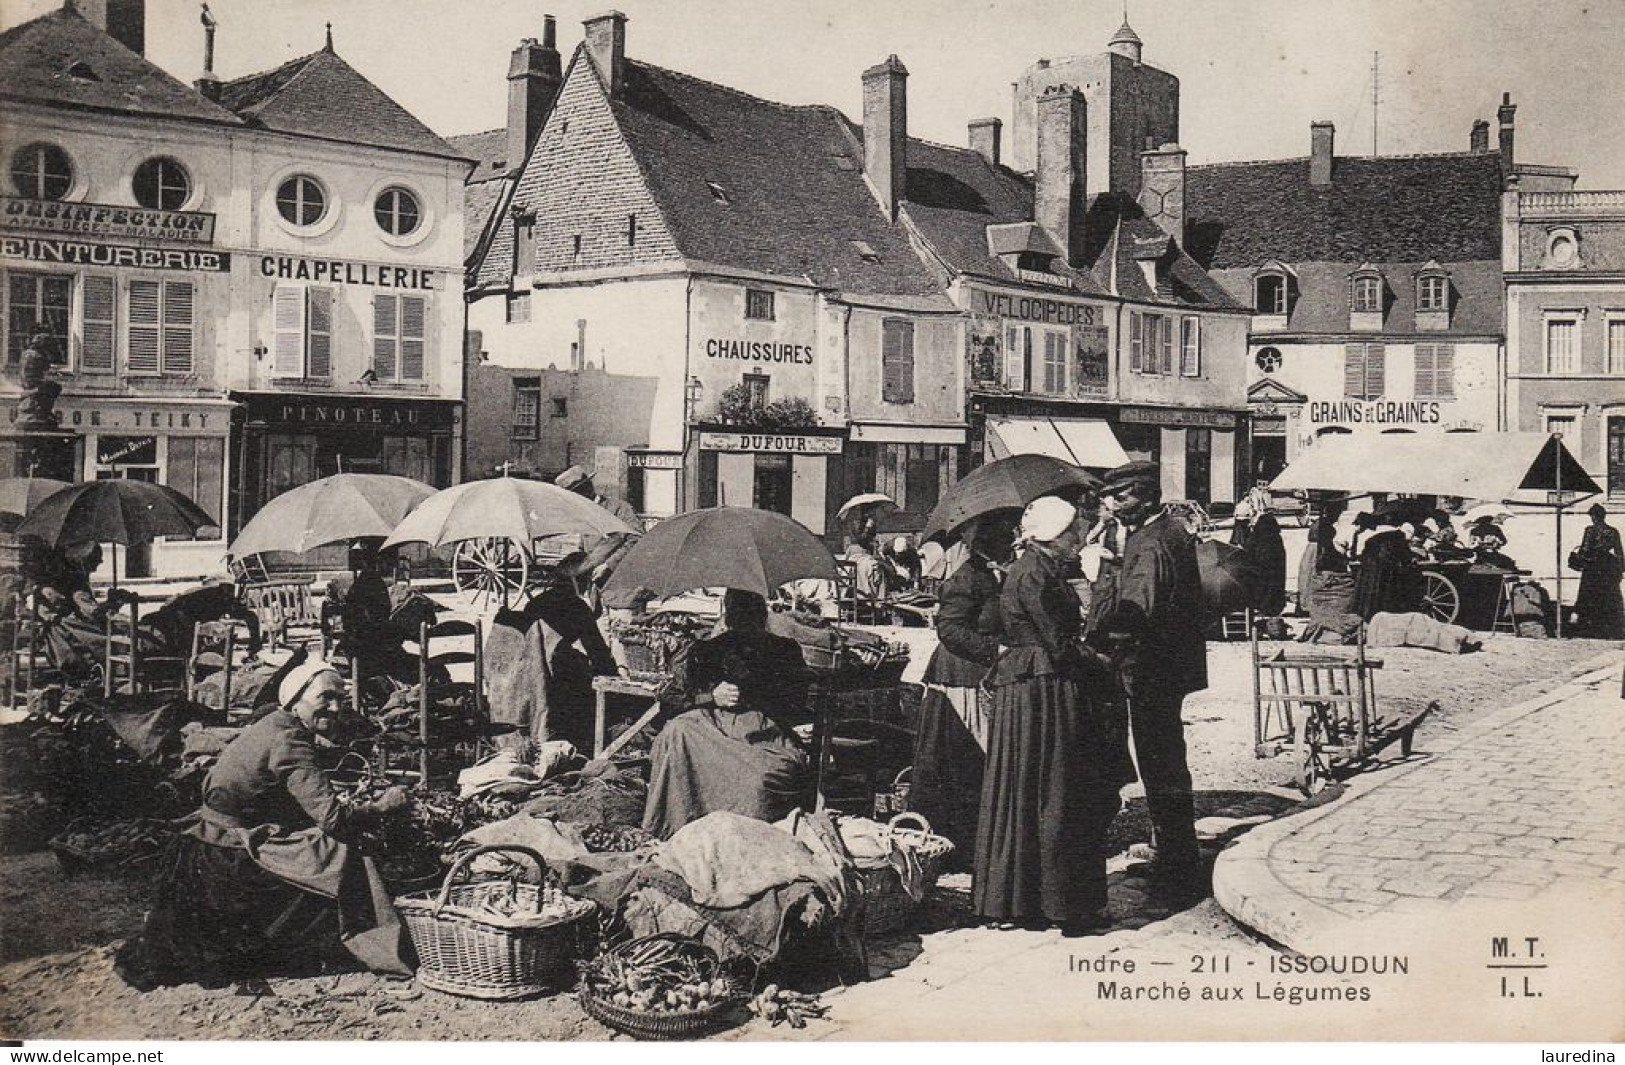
x=1271, y=294
x=1433, y=298
x=1368, y=298
x=1274, y=288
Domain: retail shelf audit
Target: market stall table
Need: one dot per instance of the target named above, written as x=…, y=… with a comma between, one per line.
x=602, y=689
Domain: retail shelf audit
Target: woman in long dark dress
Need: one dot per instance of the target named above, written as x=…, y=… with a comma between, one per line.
x=1389, y=581
x=1057, y=746
x=1599, y=611
x=950, y=740
x=1258, y=535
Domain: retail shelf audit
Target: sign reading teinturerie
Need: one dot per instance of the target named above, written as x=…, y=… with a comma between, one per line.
x=106, y=220
x=788, y=443
x=86, y=253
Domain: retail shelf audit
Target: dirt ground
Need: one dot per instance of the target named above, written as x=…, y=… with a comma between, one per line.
x=58, y=933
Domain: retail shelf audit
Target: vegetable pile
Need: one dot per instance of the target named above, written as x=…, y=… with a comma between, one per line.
x=660, y=976
x=113, y=843
x=779, y=1005
x=620, y=839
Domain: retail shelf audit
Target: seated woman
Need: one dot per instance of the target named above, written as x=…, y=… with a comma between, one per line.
x=264, y=874
x=1487, y=540
x=730, y=747
x=71, y=620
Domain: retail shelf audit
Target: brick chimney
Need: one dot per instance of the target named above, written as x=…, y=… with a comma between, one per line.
x=1321, y=136
x=1479, y=142
x=123, y=20
x=534, y=77
x=1059, y=179
x=885, y=132
x=606, y=44
x=1507, y=111
x=208, y=83
x=984, y=138
x=1162, y=188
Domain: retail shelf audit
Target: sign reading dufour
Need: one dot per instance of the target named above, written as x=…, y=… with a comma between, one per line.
x=785, y=443
x=339, y=272
x=85, y=253
x=759, y=351
x=106, y=220
x=1373, y=412
x=654, y=460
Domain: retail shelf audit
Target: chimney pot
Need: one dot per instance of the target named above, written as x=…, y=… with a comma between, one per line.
x=885, y=132
x=606, y=44
x=534, y=77
x=550, y=32
x=1479, y=142
x=985, y=135
x=1506, y=113
x=1059, y=181
x=1321, y=137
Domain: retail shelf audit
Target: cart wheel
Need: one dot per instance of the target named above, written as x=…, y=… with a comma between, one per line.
x=1314, y=770
x=1440, y=600
x=491, y=570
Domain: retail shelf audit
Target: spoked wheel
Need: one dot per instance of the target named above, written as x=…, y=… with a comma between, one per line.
x=1440, y=600
x=491, y=570
x=1309, y=740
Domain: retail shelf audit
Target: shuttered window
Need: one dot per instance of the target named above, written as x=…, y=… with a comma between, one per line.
x=398, y=324
x=288, y=331
x=1055, y=359
x=897, y=361
x=146, y=325
x=1016, y=350
x=1190, y=347
x=1363, y=371
x=99, y=324
x=177, y=326
x=1165, y=344
x=1136, y=342
x=1435, y=371
x=319, y=327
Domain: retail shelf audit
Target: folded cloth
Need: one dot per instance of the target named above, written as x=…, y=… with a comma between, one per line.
x=1417, y=630
x=553, y=841
x=499, y=770
x=727, y=860
x=873, y=844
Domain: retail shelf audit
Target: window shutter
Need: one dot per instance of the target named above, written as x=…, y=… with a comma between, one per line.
x=144, y=327
x=177, y=327
x=1190, y=364
x=1354, y=371
x=288, y=331
x=412, y=323
x=1425, y=377
x=384, y=333
x=1375, y=357
x=1165, y=344
x=1444, y=371
x=319, y=311
x=1136, y=343
x=897, y=362
x=1012, y=359
x=100, y=305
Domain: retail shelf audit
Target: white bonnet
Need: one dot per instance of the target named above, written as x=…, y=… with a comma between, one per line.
x=1047, y=518
x=295, y=683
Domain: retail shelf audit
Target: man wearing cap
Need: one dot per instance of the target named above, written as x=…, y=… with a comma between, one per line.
x=1152, y=623
x=577, y=479
x=264, y=874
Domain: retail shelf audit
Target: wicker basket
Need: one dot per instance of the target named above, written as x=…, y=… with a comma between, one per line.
x=887, y=906
x=689, y=1024
x=468, y=952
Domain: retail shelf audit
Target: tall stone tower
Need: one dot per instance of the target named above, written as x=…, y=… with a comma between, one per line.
x=1131, y=106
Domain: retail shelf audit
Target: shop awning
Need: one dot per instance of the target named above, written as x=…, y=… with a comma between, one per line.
x=1491, y=466
x=1086, y=442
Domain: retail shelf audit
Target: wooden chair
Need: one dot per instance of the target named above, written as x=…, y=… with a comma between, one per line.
x=856, y=604
x=286, y=608
x=1236, y=625
x=214, y=648
x=429, y=658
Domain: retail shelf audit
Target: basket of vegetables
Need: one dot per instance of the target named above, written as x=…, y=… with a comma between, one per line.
x=660, y=987
x=88, y=844
x=493, y=938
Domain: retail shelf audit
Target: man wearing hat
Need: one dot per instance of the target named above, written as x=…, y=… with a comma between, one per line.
x=1152, y=623
x=578, y=479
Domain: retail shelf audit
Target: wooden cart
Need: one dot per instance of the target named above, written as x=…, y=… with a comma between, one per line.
x=1320, y=704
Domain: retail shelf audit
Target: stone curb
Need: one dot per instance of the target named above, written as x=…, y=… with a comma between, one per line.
x=1246, y=887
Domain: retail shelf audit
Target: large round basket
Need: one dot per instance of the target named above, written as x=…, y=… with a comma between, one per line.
x=887, y=906
x=465, y=948
x=687, y=1024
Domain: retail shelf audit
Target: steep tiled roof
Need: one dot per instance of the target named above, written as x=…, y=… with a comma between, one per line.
x=489, y=150
x=1320, y=301
x=1384, y=209
x=320, y=95
x=487, y=185
x=61, y=60
x=788, y=198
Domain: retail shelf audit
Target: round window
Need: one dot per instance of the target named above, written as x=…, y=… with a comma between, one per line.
x=1562, y=250
x=301, y=201
x=42, y=172
x=1268, y=359
x=162, y=184
x=397, y=212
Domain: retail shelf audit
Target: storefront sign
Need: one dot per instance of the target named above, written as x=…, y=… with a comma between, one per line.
x=1043, y=277
x=1091, y=360
x=84, y=253
x=1035, y=309
x=339, y=272
x=1373, y=412
x=348, y=413
x=648, y=460
x=127, y=451
x=775, y=442
x=106, y=220
x=117, y=415
x=759, y=351
x=1188, y=419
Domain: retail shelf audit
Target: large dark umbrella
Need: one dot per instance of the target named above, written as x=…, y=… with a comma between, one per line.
x=347, y=506
x=1226, y=577
x=721, y=547
x=114, y=512
x=1002, y=485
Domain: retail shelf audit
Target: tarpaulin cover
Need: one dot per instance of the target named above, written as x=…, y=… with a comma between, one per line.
x=1492, y=466
x=1086, y=442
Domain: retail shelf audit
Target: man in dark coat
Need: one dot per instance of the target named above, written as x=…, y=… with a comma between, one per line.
x=1154, y=627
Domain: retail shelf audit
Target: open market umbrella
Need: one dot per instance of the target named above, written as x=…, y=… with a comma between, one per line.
x=721, y=547
x=114, y=511
x=865, y=499
x=347, y=506
x=1001, y=485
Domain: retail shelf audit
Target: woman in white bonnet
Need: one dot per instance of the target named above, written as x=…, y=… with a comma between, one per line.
x=1057, y=746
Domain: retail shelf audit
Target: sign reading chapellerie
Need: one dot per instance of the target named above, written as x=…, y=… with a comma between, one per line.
x=85, y=253
x=106, y=220
x=339, y=272
x=788, y=443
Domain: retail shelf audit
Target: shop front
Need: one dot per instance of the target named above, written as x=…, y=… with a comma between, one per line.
x=284, y=440
x=783, y=471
